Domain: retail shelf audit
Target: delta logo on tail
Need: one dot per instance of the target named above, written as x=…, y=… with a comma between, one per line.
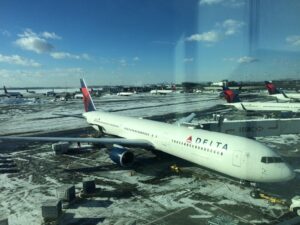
x=271, y=88
x=230, y=95
x=87, y=100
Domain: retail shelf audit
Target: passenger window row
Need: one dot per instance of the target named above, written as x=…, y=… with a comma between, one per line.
x=198, y=147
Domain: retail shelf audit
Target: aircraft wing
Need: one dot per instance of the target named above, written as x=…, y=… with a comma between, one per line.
x=187, y=119
x=120, y=141
x=289, y=97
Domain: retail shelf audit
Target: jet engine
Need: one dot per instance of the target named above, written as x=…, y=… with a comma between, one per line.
x=121, y=156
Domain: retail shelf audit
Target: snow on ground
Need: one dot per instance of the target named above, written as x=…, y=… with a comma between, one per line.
x=49, y=116
x=20, y=199
x=148, y=196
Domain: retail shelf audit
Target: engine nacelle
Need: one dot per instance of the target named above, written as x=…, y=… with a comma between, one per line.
x=121, y=156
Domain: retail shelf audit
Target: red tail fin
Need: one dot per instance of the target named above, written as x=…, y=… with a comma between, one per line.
x=87, y=99
x=271, y=88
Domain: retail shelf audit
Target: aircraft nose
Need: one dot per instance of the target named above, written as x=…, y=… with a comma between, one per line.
x=287, y=173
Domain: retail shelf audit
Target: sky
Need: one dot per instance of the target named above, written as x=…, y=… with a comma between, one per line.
x=136, y=42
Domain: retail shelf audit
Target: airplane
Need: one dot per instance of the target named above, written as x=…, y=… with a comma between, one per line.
x=126, y=93
x=280, y=95
x=161, y=92
x=233, y=99
x=238, y=157
x=32, y=94
x=164, y=91
x=12, y=94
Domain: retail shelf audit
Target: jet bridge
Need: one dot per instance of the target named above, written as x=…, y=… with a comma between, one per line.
x=250, y=128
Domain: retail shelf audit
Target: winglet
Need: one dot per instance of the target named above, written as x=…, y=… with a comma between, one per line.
x=244, y=108
x=87, y=99
x=4, y=88
x=284, y=94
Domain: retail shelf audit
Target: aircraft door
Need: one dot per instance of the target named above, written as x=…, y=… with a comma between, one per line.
x=165, y=139
x=236, y=158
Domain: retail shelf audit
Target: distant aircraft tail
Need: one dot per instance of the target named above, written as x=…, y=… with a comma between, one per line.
x=4, y=88
x=87, y=99
x=230, y=95
x=272, y=88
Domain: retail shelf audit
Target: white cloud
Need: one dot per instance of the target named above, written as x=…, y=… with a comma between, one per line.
x=231, y=26
x=221, y=30
x=64, y=55
x=187, y=60
x=235, y=3
x=38, y=43
x=293, y=40
x=123, y=62
x=4, y=74
x=49, y=35
x=67, y=55
x=18, y=60
x=32, y=42
x=85, y=56
x=136, y=59
x=210, y=36
x=210, y=2
x=229, y=3
x=230, y=59
x=38, y=77
x=247, y=59
x=5, y=33
x=243, y=59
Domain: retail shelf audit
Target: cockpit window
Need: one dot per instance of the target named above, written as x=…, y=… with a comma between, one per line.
x=271, y=160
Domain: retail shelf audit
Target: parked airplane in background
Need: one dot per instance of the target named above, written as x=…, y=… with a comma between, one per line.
x=280, y=95
x=231, y=155
x=32, y=94
x=163, y=91
x=234, y=100
x=12, y=94
x=126, y=93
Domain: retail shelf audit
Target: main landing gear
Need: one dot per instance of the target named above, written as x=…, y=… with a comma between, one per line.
x=255, y=193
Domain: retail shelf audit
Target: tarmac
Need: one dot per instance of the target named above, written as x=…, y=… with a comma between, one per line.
x=149, y=192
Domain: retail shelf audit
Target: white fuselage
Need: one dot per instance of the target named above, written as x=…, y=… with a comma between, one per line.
x=235, y=156
x=14, y=94
x=161, y=92
x=288, y=97
x=266, y=106
x=125, y=93
x=33, y=95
